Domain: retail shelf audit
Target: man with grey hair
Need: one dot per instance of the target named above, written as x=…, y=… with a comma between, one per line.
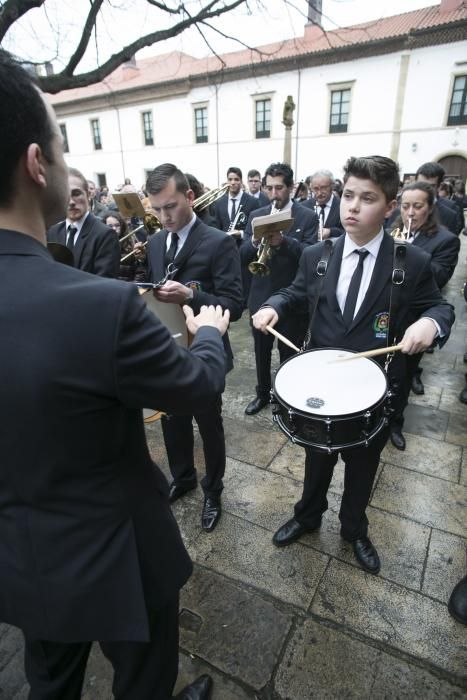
x=325, y=203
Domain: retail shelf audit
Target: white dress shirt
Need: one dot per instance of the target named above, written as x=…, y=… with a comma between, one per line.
x=182, y=235
x=349, y=264
x=78, y=226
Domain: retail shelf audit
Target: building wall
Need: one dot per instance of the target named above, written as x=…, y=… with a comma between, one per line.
x=374, y=83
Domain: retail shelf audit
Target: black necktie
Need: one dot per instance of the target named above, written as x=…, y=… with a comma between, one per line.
x=71, y=237
x=323, y=209
x=172, y=251
x=354, y=288
x=232, y=213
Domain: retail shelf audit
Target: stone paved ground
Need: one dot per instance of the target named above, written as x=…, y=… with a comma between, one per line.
x=306, y=622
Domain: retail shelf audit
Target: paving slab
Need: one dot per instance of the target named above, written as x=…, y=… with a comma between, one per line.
x=427, y=456
x=429, y=422
x=232, y=628
x=450, y=401
x=315, y=659
x=258, y=495
x=457, y=429
x=430, y=399
x=463, y=477
x=247, y=444
x=393, y=615
x=446, y=564
x=425, y=499
x=244, y=552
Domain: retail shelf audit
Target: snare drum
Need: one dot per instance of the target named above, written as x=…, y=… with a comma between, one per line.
x=330, y=405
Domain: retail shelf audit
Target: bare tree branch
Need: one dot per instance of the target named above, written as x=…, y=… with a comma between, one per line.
x=85, y=36
x=66, y=80
x=12, y=10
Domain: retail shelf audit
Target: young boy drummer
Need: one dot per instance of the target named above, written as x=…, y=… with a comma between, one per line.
x=350, y=308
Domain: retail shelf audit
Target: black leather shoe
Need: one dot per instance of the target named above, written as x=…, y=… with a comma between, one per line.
x=463, y=395
x=256, y=405
x=417, y=385
x=177, y=491
x=366, y=555
x=397, y=439
x=200, y=689
x=211, y=513
x=457, y=605
x=289, y=532
x=465, y=357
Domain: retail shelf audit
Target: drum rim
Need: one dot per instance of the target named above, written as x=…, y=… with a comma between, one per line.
x=330, y=416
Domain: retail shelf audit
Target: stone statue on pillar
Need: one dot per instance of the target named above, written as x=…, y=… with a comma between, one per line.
x=288, y=122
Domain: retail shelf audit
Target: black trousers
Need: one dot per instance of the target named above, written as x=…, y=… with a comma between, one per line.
x=179, y=443
x=412, y=370
x=142, y=670
x=294, y=329
x=361, y=464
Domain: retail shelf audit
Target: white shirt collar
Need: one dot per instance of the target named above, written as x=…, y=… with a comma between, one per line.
x=77, y=224
x=372, y=246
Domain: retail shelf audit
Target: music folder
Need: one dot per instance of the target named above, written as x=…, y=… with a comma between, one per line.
x=263, y=226
x=129, y=204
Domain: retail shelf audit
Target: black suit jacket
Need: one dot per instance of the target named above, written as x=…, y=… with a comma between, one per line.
x=333, y=219
x=284, y=261
x=263, y=199
x=420, y=297
x=97, y=249
x=220, y=209
x=87, y=538
x=446, y=209
x=443, y=248
x=209, y=262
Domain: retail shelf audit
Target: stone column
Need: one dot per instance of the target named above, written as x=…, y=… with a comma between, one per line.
x=288, y=122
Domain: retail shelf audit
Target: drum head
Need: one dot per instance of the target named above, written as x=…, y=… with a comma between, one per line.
x=312, y=383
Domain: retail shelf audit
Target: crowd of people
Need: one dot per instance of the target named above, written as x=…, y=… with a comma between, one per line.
x=89, y=548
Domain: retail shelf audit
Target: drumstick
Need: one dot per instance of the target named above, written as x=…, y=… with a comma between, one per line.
x=368, y=353
x=281, y=337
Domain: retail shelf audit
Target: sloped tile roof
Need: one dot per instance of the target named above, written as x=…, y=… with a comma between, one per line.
x=177, y=65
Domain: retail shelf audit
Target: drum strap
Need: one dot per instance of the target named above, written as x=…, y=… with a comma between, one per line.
x=321, y=270
x=397, y=281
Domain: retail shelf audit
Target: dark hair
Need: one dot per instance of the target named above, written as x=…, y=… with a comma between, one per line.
x=195, y=185
x=431, y=170
x=235, y=171
x=382, y=171
x=459, y=187
x=254, y=173
x=74, y=172
x=120, y=219
x=23, y=120
x=446, y=187
x=281, y=170
x=159, y=178
x=431, y=225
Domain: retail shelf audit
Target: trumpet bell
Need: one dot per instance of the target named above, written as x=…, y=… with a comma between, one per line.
x=259, y=268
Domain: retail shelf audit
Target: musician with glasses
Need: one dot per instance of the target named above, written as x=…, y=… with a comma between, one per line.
x=286, y=250
x=205, y=268
x=254, y=186
x=325, y=203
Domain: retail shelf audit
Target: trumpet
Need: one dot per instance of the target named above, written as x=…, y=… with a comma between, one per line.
x=399, y=235
x=151, y=224
x=260, y=266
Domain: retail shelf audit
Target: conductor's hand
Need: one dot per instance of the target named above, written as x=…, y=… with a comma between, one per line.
x=265, y=317
x=139, y=252
x=419, y=336
x=208, y=316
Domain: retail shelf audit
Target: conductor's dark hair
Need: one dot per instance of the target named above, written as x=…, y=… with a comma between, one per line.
x=159, y=178
x=281, y=170
x=382, y=171
x=23, y=120
x=235, y=171
x=431, y=170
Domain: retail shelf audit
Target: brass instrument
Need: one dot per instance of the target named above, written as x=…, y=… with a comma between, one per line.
x=399, y=235
x=239, y=220
x=208, y=198
x=151, y=223
x=260, y=266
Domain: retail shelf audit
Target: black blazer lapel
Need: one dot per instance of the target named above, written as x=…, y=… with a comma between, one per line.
x=381, y=275
x=81, y=242
x=157, y=255
x=192, y=242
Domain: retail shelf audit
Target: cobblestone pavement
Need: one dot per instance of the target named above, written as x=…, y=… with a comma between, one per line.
x=306, y=622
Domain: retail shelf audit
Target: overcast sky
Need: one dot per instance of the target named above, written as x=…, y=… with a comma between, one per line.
x=36, y=38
